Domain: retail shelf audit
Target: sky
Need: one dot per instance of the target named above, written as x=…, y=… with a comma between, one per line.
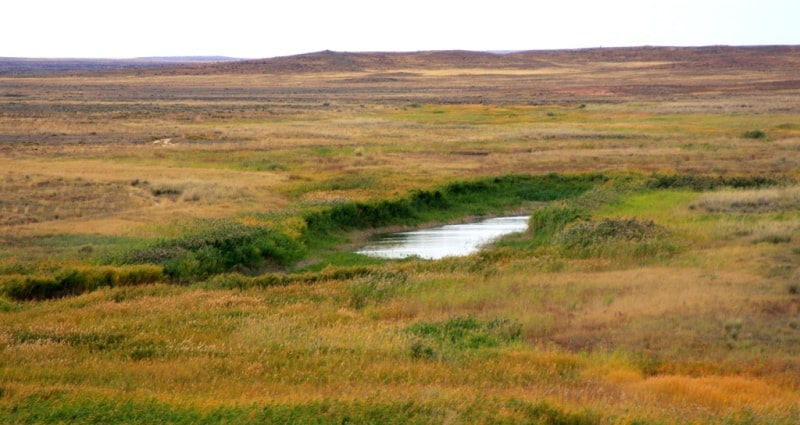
x=253, y=29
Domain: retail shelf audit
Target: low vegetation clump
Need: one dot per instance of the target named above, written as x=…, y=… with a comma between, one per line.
x=604, y=231
x=617, y=238
x=547, y=222
x=448, y=338
x=750, y=201
x=754, y=134
x=74, y=281
x=701, y=182
x=221, y=246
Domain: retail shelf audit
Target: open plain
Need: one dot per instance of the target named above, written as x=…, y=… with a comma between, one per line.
x=176, y=240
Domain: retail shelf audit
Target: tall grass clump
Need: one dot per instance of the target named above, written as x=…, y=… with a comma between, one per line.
x=616, y=238
x=221, y=246
x=754, y=134
x=546, y=222
x=77, y=280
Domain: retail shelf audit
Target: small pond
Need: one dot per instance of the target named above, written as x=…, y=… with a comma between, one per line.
x=445, y=241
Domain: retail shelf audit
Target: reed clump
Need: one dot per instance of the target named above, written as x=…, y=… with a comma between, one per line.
x=77, y=280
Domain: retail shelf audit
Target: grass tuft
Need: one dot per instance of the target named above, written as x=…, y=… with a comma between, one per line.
x=754, y=134
x=461, y=333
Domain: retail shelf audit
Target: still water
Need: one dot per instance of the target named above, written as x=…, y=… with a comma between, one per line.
x=445, y=241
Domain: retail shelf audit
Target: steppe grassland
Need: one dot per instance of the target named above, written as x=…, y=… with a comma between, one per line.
x=707, y=333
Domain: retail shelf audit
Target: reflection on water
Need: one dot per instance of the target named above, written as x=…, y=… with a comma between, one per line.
x=445, y=241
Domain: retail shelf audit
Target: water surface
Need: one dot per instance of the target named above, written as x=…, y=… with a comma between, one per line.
x=445, y=241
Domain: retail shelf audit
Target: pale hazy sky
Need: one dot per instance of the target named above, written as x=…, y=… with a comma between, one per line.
x=252, y=29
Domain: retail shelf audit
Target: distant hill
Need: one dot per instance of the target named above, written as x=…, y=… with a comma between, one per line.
x=31, y=66
x=703, y=59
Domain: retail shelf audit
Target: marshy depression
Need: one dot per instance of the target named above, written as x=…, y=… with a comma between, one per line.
x=445, y=241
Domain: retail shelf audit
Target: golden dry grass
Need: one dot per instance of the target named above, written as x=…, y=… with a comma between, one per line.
x=708, y=333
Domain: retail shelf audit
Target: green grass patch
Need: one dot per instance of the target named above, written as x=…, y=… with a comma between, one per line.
x=341, y=259
x=441, y=340
x=661, y=205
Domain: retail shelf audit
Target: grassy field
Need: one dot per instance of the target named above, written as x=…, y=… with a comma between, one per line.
x=177, y=242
